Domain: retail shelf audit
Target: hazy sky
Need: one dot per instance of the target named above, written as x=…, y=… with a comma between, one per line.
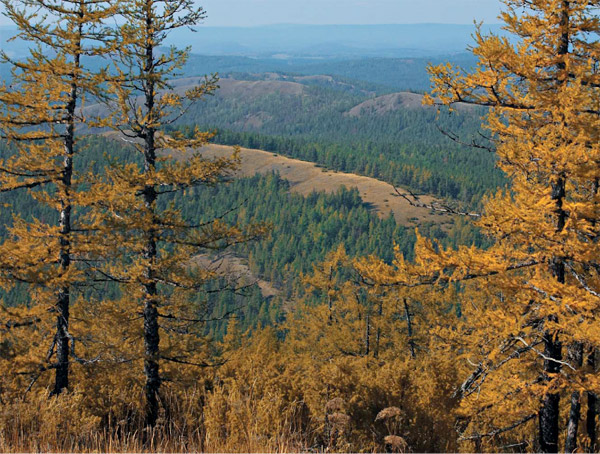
x=260, y=12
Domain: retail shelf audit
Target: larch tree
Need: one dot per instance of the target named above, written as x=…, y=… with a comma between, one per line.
x=530, y=302
x=39, y=118
x=156, y=247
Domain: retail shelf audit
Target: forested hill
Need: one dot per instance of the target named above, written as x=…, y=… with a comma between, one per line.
x=382, y=74
x=345, y=127
x=305, y=226
x=385, y=74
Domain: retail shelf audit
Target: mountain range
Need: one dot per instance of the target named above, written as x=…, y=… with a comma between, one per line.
x=314, y=41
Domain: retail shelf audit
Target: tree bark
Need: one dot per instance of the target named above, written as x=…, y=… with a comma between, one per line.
x=368, y=334
x=411, y=342
x=592, y=408
x=151, y=331
x=378, y=332
x=61, y=381
x=549, y=410
x=576, y=358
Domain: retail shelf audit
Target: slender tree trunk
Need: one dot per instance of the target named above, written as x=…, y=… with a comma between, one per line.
x=151, y=333
x=61, y=381
x=411, y=342
x=592, y=407
x=151, y=349
x=330, y=307
x=549, y=411
x=378, y=333
x=368, y=335
x=62, y=320
x=576, y=358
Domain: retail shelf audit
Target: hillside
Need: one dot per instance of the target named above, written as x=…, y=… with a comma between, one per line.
x=325, y=120
x=393, y=102
x=333, y=123
x=306, y=177
x=245, y=89
x=387, y=103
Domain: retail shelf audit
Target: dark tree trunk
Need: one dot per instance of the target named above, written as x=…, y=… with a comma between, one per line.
x=575, y=356
x=549, y=411
x=592, y=407
x=64, y=295
x=63, y=303
x=61, y=381
x=151, y=332
x=378, y=333
x=151, y=357
x=411, y=342
x=368, y=335
x=329, y=299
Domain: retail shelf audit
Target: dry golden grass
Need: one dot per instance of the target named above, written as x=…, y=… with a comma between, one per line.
x=306, y=177
x=64, y=424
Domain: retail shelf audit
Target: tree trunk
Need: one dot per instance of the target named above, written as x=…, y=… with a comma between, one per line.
x=549, y=411
x=329, y=300
x=368, y=335
x=576, y=358
x=151, y=357
x=151, y=333
x=411, y=342
x=61, y=381
x=592, y=407
x=63, y=303
x=378, y=333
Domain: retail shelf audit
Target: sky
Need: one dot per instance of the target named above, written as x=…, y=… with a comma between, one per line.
x=262, y=12
x=246, y=13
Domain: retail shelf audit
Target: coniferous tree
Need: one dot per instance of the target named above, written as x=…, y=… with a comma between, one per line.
x=538, y=310
x=157, y=247
x=39, y=118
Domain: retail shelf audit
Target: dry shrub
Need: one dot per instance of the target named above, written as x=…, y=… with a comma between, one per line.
x=336, y=404
x=396, y=443
x=388, y=413
x=242, y=420
x=270, y=396
x=339, y=420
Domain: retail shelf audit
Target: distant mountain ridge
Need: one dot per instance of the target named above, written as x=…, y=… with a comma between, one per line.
x=396, y=40
x=314, y=41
